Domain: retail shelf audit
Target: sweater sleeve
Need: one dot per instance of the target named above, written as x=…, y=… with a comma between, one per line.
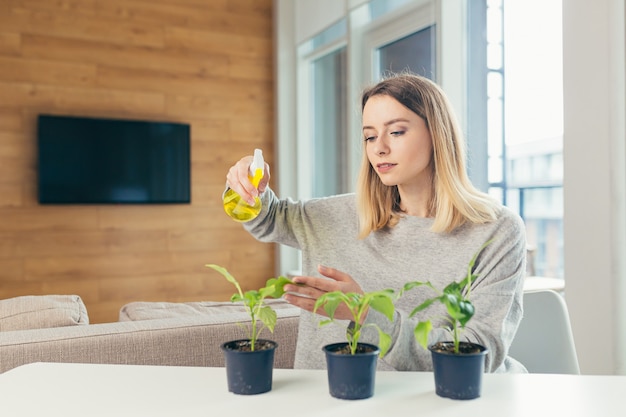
x=277, y=222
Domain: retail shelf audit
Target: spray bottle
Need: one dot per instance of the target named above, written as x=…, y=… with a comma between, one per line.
x=235, y=206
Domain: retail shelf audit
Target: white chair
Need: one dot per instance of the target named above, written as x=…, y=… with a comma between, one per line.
x=544, y=342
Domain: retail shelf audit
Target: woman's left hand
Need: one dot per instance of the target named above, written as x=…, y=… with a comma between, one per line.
x=311, y=288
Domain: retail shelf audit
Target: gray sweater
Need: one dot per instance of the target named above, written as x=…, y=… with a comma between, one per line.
x=326, y=230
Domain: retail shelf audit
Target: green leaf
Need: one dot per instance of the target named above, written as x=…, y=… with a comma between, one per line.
x=383, y=304
x=423, y=306
x=268, y=317
x=251, y=298
x=330, y=301
x=384, y=342
x=467, y=312
x=275, y=287
x=453, y=288
x=236, y=298
x=410, y=285
x=224, y=272
x=451, y=301
x=226, y=275
x=325, y=322
x=413, y=284
x=421, y=332
x=331, y=306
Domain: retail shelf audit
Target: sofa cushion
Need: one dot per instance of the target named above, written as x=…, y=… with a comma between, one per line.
x=193, y=340
x=143, y=310
x=42, y=311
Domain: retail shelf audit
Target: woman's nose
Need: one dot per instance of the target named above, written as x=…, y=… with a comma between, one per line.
x=381, y=147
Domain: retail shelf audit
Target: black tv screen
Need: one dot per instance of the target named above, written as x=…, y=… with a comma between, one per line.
x=109, y=161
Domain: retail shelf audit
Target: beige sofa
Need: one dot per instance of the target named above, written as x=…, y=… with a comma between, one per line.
x=57, y=329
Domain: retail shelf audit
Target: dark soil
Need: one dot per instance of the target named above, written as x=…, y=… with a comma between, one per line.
x=246, y=346
x=464, y=348
x=345, y=349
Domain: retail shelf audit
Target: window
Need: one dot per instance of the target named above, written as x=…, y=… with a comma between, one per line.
x=329, y=127
x=415, y=53
x=525, y=121
x=322, y=130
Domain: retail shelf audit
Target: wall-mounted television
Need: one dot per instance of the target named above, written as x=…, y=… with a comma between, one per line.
x=84, y=160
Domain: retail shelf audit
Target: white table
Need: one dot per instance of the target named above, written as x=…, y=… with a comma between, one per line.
x=49, y=389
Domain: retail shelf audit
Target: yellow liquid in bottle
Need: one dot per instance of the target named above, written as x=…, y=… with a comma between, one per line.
x=239, y=209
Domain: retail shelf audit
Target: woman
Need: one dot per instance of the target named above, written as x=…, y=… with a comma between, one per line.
x=415, y=216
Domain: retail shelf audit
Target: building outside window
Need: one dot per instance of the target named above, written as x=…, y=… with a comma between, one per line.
x=525, y=121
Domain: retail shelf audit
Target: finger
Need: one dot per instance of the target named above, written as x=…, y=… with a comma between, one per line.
x=238, y=180
x=304, y=303
x=303, y=290
x=334, y=274
x=238, y=173
x=344, y=281
x=314, y=286
x=243, y=174
x=237, y=187
x=266, y=179
x=308, y=304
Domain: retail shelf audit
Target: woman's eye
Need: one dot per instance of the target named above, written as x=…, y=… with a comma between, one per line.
x=369, y=138
x=397, y=133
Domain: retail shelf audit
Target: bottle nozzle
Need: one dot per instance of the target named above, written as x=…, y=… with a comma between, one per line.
x=257, y=161
x=257, y=167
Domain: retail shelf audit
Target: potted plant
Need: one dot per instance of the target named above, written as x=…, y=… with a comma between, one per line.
x=250, y=362
x=458, y=365
x=351, y=365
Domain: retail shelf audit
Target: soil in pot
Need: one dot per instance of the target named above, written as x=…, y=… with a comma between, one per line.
x=351, y=377
x=249, y=371
x=458, y=376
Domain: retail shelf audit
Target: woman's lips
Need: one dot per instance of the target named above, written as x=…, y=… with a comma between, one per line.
x=386, y=167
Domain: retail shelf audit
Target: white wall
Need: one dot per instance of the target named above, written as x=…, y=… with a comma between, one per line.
x=594, y=181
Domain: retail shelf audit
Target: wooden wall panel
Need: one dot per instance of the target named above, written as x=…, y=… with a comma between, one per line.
x=206, y=63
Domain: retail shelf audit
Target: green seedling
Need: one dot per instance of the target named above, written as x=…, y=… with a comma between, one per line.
x=455, y=297
x=254, y=302
x=359, y=304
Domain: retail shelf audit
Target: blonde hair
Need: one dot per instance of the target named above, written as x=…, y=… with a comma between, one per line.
x=454, y=199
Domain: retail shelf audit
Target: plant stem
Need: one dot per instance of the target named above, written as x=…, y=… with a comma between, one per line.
x=253, y=336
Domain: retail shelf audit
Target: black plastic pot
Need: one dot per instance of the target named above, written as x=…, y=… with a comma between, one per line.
x=351, y=377
x=458, y=376
x=249, y=372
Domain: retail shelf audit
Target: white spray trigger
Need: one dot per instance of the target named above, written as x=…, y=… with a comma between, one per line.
x=257, y=162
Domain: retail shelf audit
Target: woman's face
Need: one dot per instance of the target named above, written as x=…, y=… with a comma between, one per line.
x=397, y=142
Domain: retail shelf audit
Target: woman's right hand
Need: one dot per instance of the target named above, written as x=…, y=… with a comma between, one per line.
x=239, y=181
